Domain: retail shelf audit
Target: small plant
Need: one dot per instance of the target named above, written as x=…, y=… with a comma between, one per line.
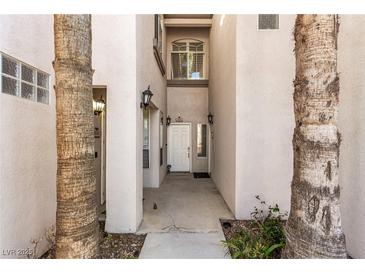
x=263, y=238
x=109, y=237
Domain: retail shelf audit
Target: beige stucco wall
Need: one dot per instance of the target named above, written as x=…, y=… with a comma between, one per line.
x=173, y=34
x=191, y=104
x=264, y=126
x=222, y=104
x=27, y=140
x=264, y=113
x=114, y=61
x=148, y=73
x=351, y=66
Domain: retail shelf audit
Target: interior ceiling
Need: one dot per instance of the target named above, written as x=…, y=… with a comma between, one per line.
x=188, y=16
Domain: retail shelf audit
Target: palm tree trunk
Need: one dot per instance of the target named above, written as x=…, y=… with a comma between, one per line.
x=76, y=219
x=314, y=225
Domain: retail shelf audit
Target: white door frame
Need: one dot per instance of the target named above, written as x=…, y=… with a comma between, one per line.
x=103, y=160
x=190, y=144
x=209, y=148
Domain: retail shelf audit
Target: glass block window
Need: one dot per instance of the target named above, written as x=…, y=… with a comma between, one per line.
x=268, y=21
x=187, y=59
x=22, y=80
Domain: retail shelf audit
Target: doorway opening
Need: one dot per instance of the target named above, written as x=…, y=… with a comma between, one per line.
x=99, y=93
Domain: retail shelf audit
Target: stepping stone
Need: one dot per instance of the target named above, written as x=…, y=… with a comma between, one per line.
x=184, y=245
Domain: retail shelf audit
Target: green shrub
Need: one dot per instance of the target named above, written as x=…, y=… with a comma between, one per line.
x=263, y=238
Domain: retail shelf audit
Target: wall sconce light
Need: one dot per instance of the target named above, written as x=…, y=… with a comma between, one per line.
x=210, y=118
x=146, y=98
x=161, y=120
x=98, y=106
x=168, y=120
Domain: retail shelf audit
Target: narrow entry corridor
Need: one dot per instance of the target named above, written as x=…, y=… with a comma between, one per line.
x=182, y=219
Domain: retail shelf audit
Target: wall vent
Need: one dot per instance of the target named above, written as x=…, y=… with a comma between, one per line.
x=268, y=21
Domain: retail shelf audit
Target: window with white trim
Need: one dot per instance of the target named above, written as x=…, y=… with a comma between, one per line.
x=201, y=142
x=187, y=59
x=22, y=80
x=268, y=21
x=146, y=138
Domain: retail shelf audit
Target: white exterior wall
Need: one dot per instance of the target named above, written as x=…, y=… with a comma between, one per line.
x=114, y=61
x=265, y=120
x=222, y=104
x=264, y=113
x=27, y=140
x=148, y=73
x=351, y=66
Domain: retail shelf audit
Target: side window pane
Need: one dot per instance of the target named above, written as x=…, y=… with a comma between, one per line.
x=9, y=66
x=27, y=74
x=146, y=138
x=42, y=96
x=27, y=91
x=179, y=65
x=42, y=79
x=202, y=140
x=9, y=85
x=196, y=65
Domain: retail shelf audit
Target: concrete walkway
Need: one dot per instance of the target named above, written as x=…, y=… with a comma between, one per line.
x=182, y=219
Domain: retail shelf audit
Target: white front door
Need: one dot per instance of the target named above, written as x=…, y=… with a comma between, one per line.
x=179, y=147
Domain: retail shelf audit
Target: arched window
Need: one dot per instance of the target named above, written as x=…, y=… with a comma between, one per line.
x=187, y=59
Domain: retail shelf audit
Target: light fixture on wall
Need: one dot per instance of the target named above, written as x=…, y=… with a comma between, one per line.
x=161, y=120
x=210, y=118
x=168, y=120
x=146, y=97
x=98, y=105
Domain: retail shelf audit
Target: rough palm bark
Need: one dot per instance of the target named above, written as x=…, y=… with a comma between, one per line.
x=314, y=228
x=76, y=218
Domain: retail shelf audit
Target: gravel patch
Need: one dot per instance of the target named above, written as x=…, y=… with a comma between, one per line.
x=114, y=246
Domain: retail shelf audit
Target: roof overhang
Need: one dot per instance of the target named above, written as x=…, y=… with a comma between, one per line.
x=188, y=20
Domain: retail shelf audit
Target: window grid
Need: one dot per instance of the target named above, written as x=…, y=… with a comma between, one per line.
x=187, y=47
x=23, y=84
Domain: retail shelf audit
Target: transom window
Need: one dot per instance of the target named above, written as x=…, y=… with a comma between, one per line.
x=187, y=59
x=22, y=80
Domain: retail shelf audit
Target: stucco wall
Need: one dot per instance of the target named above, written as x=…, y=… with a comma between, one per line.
x=191, y=104
x=222, y=104
x=114, y=61
x=148, y=73
x=351, y=66
x=264, y=113
x=265, y=120
x=27, y=140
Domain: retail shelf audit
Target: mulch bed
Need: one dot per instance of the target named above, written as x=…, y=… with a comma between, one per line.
x=231, y=227
x=114, y=246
